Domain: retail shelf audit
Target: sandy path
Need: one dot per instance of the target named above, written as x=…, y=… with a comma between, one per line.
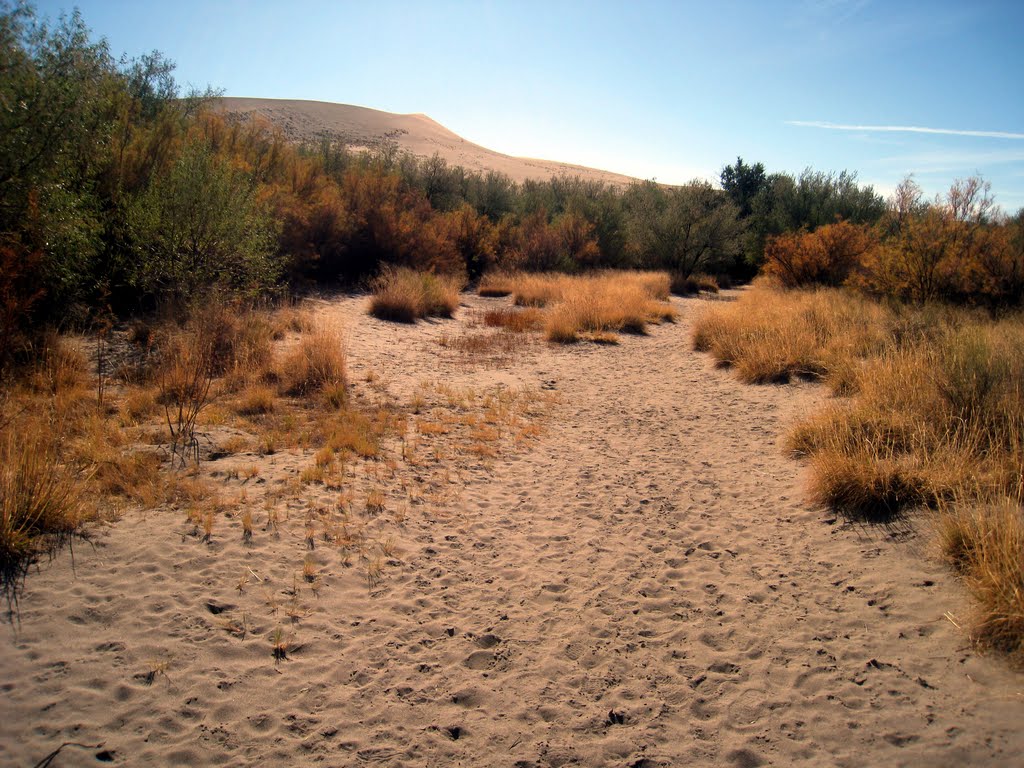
x=643, y=586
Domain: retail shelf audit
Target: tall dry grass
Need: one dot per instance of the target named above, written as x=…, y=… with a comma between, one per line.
x=935, y=418
x=769, y=336
x=405, y=295
x=315, y=364
x=596, y=303
x=41, y=506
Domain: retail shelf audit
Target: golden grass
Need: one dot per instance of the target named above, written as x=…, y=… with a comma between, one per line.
x=935, y=419
x=498, y=283
x=691, y=284
x=41, y=506
x=316, y=363
x=985, y=545
x=514, y=320
x=600, y=303
x=405, y=295
x=768, y=336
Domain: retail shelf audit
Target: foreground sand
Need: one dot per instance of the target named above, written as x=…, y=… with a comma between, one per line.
x=642, y=585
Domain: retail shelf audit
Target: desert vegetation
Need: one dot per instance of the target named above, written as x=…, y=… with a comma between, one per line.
x=930, y=417
x=596, y=305
x=153, y=354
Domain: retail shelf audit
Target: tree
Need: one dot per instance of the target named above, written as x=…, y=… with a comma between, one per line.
x=201, y=226
x=742, y=183
x=55, y=93
x=688, y=229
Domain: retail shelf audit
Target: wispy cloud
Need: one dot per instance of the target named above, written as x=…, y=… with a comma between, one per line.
x=905, y=129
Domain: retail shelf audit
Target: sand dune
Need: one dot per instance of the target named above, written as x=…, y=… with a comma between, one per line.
x=640, y=585
x=369, y=128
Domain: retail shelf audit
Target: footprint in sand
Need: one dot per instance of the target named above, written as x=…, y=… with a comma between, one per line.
x=479, y=660
x=747, y=709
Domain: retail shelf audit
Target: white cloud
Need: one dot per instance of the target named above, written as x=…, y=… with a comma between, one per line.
x=905, y=129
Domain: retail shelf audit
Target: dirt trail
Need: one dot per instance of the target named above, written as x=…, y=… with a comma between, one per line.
x=643, y=586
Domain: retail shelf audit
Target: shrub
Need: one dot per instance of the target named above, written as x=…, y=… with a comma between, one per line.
x=826, y=256
x=404, y=295
x=40, y=504
x=316, y=363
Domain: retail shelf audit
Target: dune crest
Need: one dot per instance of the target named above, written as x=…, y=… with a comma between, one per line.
x=362, y=127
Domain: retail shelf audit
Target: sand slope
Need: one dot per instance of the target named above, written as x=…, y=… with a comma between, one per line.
x=641, y=586
x=362, y=128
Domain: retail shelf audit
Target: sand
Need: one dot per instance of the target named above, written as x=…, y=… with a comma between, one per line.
x=364, y=128
x=642, y=584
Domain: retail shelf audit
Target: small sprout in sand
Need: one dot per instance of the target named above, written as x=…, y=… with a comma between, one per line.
x=252, y=472
x=374, y=571
x=294, y=611
x=233, y=626
x=208, y=527
x=388, y=548
x=279, y=645
x=402, y=513
x=371, y=377
x=270, y=600
x=156, y=668
x=375, y=501
x=309, y=569
x=247, y=526
x=310, y=534
x=242, y=582
x=272, y=522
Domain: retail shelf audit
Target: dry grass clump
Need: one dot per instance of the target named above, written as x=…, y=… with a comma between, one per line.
x=936, y=419
x=497, y=284
x=316, y=363
x=768, y=336
x=691, y=284
x=41, y=506
x=240, y=340
x=985, y=545
x=599, y=303
x=405, y=295
x=514, y=320
x=255, y=400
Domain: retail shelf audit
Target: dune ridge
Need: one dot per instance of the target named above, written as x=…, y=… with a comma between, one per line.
x=362, y=127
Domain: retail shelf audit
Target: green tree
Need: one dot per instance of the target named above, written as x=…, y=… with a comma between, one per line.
x=201, y=226
x=687, y=229
x=55, y=97
x=742, y=183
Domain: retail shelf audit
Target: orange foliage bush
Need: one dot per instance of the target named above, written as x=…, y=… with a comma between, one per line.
x=826, y=256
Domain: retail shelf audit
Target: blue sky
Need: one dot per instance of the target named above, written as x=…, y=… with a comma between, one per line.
x=665, y=90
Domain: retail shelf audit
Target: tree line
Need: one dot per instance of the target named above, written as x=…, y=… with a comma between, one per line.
x=118, y=191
